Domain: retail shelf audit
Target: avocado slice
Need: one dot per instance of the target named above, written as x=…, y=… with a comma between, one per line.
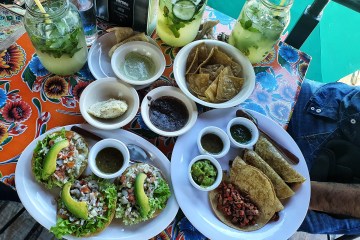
x=141, y=199
x=79, y=209
x=49, y=164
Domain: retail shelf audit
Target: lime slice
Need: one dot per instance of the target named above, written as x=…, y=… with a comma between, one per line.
x=184, y=10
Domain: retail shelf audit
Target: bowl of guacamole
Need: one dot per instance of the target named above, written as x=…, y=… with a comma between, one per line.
x=205, y=172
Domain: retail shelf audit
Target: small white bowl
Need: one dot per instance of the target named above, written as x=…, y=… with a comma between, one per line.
x=217, y=166
x=144, y=48
x=249, y=125
x=169, y=92
x=248, y=73
x=102, y=90
x=220, y=133
x=109, y=142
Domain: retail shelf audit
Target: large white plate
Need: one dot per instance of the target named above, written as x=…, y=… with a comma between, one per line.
x=41, y=204
x=195, y=204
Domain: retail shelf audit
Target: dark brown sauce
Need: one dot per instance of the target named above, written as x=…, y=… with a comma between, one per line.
x=212, y=143
x=109, y=160
x=168, y=113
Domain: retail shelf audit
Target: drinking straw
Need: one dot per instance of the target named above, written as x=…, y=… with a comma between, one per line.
x=42, y=10
x=282, y=3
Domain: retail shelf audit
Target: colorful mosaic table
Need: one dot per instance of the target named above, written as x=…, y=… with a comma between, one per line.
x=32, y=101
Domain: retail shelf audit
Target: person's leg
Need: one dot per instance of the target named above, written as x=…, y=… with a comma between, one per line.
x=7, y=193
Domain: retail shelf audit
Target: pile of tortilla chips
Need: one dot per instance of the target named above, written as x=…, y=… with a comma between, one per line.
x=264, y=175
x=212, y=75
x=124, y=35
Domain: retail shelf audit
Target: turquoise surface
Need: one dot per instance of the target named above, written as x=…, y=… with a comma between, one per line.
x=333, y=45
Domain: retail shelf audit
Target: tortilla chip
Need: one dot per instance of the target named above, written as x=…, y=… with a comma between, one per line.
x=220, y=57
x=203, y=52
x=121, y=33
x=137, y=37
x=236, y=69
x=228, y=87
x=259, y=187
x=273, y=157
x=198, y=83
x=282, y=190
x=212, y=70
x=206, y=60
x=192, y=62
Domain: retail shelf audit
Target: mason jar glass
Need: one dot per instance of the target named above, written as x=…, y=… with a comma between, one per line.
x=259, y=26
x=179, y=20
x=57, y=35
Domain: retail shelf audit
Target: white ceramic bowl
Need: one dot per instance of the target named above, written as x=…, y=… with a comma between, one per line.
x=102, y=90
x=170, y=92
x=217, y=166
x=249, y=125
x=248, y=73
x=143, y=48
x=220, y=133
x=109, y=142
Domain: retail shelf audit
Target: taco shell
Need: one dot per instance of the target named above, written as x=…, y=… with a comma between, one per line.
x=282, y=190
x=267, y=151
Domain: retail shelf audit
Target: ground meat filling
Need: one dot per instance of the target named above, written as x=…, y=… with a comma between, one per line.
x=235, y=207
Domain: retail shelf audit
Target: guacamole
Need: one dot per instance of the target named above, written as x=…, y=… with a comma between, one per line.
x=204, y=173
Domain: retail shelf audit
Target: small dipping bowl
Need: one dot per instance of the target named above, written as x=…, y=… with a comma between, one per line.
x=148, y=51
x=209, y=132
x=108, y=143
x=174, y=94
x=215, y=163
x=249, y=125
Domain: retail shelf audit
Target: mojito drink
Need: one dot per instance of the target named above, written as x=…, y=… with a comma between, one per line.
x=179, y=21
x=257, y=30
x=59, y=39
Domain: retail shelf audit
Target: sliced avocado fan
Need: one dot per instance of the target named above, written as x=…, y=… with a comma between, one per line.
x=141, y=199
x=79, y=209
x=49, y=164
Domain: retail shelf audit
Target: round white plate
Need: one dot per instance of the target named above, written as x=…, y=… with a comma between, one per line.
x=98, y=59
x=41, y=203
x=195, y=204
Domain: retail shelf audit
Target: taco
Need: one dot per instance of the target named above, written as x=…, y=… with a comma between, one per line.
x=85, y=207
x=59, y=158
x=282, y=190
x=253, y=192
x=142, y=193
x=273, y=157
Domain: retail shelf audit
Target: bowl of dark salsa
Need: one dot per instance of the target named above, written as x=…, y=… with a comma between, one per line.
x=242, y=132
x=213, y=141
x=109, y=158
x=168, y=112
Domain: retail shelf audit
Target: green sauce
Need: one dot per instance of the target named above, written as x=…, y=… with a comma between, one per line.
x=240, y=133
x=138, y=67
x=109, y=160
x=212, y=143
x=204, y=173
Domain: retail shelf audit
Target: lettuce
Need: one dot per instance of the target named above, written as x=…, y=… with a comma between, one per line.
x=39, y=157
x=65, y=227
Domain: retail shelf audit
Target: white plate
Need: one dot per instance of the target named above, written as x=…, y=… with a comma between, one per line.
x=41, y=204
x=98, y=59
x=195, y=204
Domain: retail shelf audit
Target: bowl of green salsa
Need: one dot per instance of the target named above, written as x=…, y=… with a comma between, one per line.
x=213, y=141
x=205, y=172
x=109, y=158
x=242, y=132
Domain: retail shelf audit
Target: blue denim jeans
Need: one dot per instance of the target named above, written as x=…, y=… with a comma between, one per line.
x=324, y=112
